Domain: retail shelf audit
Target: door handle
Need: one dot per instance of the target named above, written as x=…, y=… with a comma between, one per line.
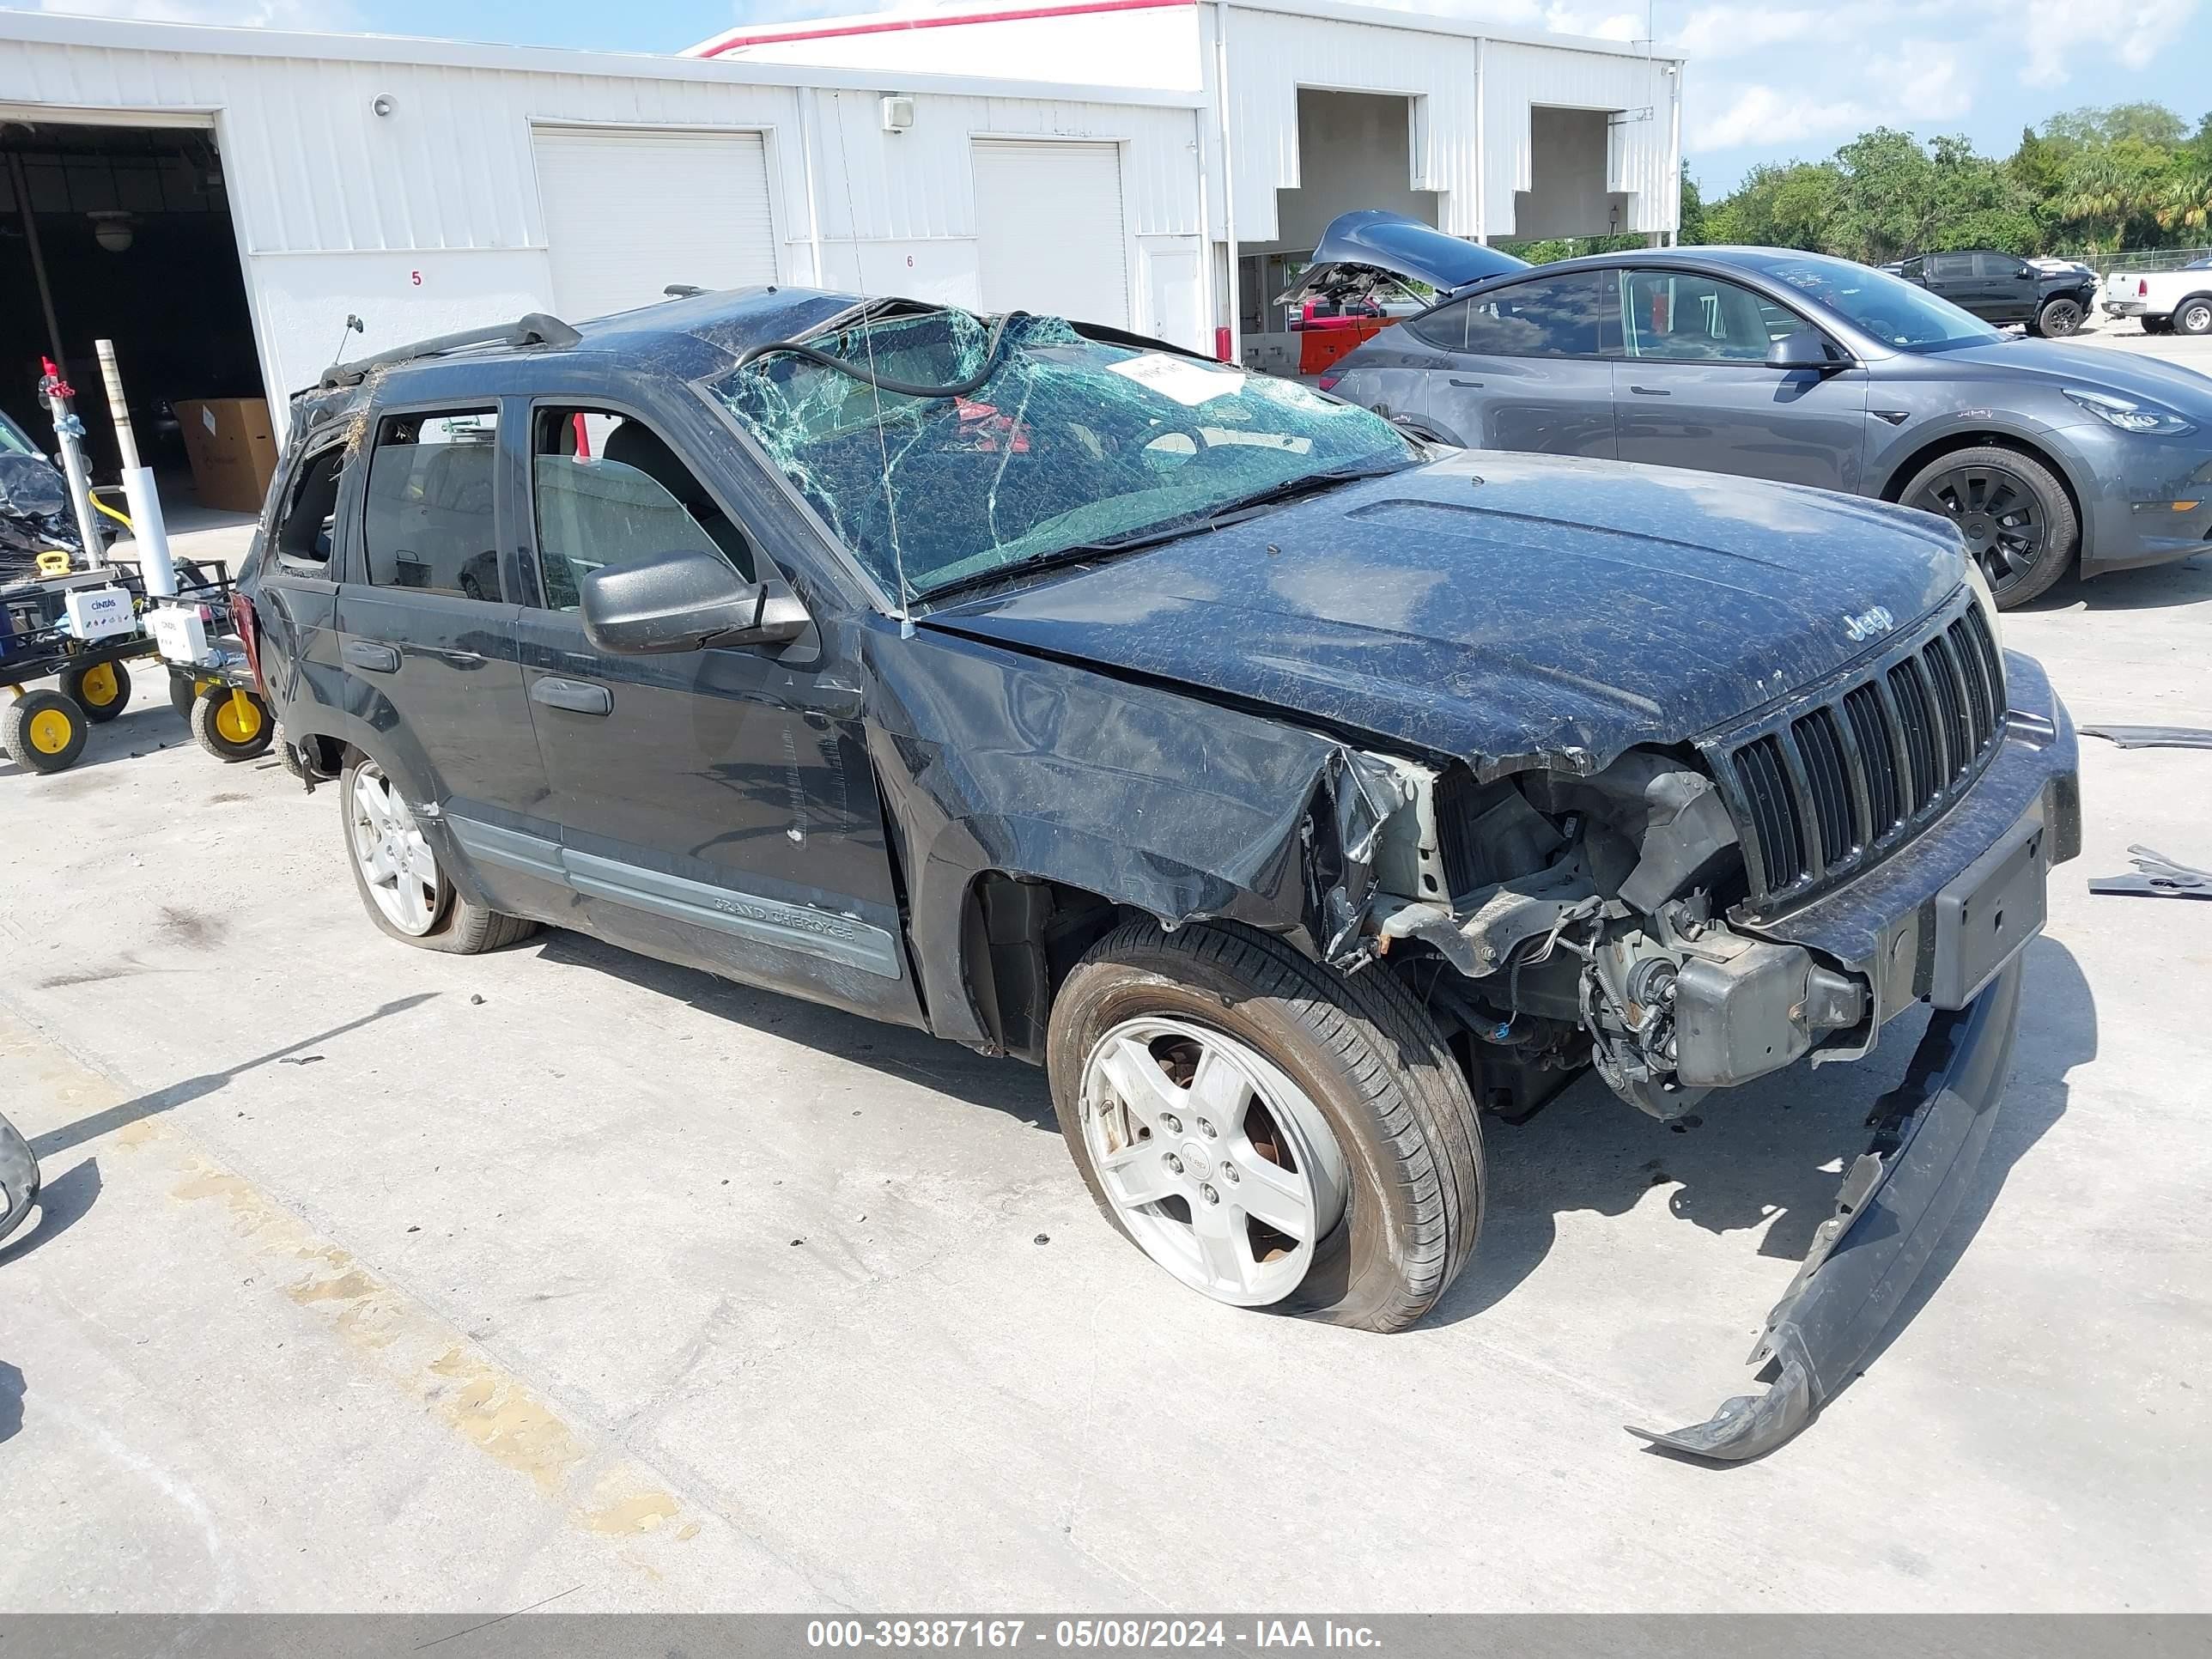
x=1650, y=392
x=366, y=654
x=577, y=697
x=1455, y=380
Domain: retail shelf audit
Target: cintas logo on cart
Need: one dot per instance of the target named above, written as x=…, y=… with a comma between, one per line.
x=99, y=613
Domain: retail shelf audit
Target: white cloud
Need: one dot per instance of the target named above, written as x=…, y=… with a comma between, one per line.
x=1572, y=20
x=2053, y=33
x=1765, y=77
x=1924, y=83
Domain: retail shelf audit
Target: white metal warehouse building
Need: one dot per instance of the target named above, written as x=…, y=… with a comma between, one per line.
x=234, y=195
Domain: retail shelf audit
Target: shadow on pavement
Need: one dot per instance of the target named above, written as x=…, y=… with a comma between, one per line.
x=62, y=1202
x=1010, y=1086
x=193, y=1088
x=2186, y=581
x=11, y=1401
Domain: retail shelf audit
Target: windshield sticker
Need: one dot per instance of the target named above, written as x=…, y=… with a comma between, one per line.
x=1187, y=383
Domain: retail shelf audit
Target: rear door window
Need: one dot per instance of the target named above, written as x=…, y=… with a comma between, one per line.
x=608, y=490
x=429, y=521
x=1572, y=315
x=305, y=528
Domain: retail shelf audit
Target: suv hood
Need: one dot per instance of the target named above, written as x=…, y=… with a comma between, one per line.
x=1500, y=607
x=1358, y=247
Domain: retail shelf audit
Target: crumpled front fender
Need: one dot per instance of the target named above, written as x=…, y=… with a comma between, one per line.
x=1896, y=1202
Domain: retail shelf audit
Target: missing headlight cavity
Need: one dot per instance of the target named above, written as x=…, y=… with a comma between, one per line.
x=1584, y=917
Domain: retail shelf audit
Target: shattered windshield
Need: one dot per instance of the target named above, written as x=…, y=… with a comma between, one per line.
x=13, y=439
x=1067, y=443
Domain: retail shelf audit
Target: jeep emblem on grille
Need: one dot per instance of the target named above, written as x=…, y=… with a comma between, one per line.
x=1868, y=624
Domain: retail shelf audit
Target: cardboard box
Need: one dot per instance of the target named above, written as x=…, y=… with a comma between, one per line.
x=231, y=449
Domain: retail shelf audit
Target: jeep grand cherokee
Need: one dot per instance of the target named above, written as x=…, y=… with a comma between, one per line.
x=1293, y=793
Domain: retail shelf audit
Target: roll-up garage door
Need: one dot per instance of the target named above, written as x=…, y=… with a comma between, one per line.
x=629, y=212
x=1048, y=220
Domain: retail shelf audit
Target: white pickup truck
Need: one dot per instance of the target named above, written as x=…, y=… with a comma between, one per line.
x=2176, y=301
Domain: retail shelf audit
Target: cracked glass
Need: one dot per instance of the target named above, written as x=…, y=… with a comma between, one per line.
x=1067, y=443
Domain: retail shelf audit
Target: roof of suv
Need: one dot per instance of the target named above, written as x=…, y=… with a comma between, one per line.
x=686, y=338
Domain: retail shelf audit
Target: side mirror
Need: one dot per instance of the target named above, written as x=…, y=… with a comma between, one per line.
x=684, y=601
x=1803, y=349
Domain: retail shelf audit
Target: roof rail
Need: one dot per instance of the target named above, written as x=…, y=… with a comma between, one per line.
x=534, y=328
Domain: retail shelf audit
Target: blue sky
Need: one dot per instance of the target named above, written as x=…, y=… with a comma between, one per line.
x=1769, y=79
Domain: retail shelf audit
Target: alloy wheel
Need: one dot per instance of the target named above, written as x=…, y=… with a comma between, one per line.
x=2061, y=318
x=1216, y=1163
x=396, y=863
x=2003, y=521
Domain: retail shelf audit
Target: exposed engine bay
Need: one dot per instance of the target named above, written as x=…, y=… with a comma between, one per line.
x=1565, y=919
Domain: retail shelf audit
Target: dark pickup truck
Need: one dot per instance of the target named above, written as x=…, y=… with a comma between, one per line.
x=1294, y=792
x=2003, y=287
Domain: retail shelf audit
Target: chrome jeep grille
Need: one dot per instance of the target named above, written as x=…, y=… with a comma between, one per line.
x=1819, y=792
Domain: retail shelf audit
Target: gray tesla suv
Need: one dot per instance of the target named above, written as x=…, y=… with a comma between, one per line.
x=1768, y=363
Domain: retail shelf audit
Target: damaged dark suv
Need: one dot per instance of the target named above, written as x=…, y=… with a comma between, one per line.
x=1294, y=793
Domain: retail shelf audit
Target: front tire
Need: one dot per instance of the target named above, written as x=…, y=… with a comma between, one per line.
x=406, y=893
x=2018, y=521
x=1272, y=1133
x=44, y=731
x=2058, y=319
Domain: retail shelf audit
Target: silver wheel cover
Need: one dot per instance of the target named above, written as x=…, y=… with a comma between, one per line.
x=1221, y=1167
x=396, y=863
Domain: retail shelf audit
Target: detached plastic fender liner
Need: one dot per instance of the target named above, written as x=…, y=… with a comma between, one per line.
x=1897, y=1199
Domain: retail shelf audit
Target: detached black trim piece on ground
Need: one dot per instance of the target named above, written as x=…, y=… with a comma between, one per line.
x=1896, y=1201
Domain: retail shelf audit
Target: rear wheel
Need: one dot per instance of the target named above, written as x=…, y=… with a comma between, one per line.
x=1271, y=1133
x=2194, y=315
x=2058, y=318
x=43, y=732
x=2158, y=325
x=2018, y=522
x=103, y=691
x=401, y=886
x=232, y=723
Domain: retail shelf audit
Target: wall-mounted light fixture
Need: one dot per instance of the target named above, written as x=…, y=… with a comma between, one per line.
x=113, y=228
x=382, y=104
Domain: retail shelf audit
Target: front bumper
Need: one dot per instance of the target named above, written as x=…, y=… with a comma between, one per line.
x=1902, y=924
x=2129, y=484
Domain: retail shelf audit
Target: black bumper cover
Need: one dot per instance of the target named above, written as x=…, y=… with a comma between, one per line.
x=1896, y=1201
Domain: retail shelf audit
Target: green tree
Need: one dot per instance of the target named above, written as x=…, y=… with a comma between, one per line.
x=1692, y=221
x=2126, y=175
